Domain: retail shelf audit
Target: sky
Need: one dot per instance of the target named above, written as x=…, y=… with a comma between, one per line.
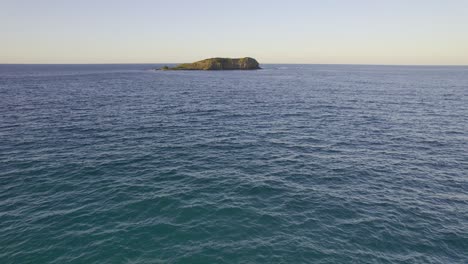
x=404, y=32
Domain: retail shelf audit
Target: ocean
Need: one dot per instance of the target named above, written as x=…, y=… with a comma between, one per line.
x=288, y=164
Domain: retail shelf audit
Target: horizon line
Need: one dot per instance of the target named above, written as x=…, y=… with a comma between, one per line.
x=271, y=63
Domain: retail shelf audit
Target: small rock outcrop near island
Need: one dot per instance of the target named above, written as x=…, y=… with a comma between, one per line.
x=215, y=64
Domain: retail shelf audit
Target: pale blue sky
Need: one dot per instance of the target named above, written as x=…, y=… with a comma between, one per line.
x=294, y=31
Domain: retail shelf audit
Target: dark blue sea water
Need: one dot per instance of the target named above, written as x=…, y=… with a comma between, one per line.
x=289, y=164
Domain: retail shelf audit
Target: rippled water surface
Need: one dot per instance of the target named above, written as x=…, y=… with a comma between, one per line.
x=289, y=164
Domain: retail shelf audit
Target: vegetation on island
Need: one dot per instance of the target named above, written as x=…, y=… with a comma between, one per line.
x=246, y=63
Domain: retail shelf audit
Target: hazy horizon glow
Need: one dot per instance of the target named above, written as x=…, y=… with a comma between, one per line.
x=431, y=32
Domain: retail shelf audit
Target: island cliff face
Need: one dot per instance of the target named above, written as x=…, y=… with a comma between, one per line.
x=214, y=64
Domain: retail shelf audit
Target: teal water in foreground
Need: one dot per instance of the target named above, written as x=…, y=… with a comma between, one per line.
x=289, y=164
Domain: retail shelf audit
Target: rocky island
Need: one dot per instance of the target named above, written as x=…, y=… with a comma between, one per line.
x=214, y=64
